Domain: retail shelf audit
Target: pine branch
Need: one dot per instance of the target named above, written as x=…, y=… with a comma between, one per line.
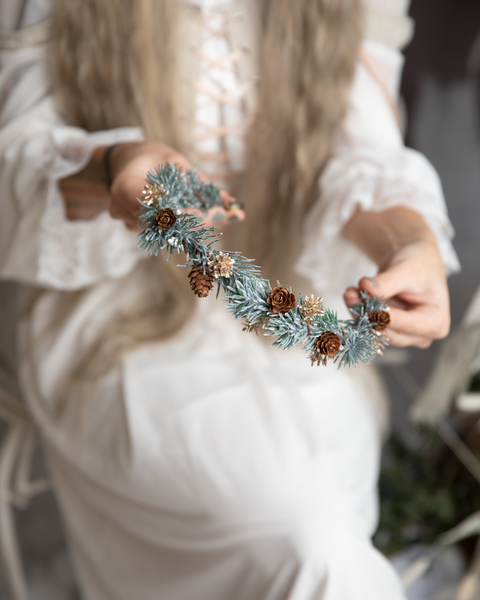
x=273, y=312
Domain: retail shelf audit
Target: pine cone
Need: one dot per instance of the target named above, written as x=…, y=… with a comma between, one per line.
x=200, y=282
x=281, y=300
x=165, y=218
x=328, y=343
x=381, y=319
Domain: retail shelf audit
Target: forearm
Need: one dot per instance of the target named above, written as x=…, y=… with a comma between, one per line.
x=86, y=193
x=380, y=235
x=411, y=275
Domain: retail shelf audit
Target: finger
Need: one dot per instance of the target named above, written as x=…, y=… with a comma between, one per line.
x=351, y=296
x=421, y=321
x=227, y=199
x=235, y=214
x=388, y=283
x=210, y=217
x=402, y=341
x=195, y=211
x=217, y=216
x=182, y=164
x=404, y=323
x=117, y=212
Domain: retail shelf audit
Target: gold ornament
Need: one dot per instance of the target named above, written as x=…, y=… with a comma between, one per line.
x=311, y=308
x=221, y=265
x=380, y=343
x=152, y=193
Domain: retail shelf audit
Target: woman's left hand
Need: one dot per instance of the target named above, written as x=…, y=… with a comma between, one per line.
x=411, y=277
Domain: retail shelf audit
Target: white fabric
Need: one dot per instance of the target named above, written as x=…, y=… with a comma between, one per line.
x=37, y=243
x=251, y=483
x=220, y=117
x=208, y=465
x=17, y=14
x=370, y=168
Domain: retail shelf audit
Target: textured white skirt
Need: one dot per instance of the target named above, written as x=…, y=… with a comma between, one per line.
x=213, y=467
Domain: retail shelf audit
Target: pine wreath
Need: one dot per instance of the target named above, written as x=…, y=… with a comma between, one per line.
x=274, y=311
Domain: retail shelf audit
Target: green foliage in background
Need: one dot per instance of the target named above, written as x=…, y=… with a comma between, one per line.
x=423, y=493
x=475, y=383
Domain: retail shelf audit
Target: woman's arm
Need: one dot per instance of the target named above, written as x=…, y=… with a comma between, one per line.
x=411, y=276
x=86, y=193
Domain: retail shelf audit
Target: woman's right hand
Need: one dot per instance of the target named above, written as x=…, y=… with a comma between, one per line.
x=131, y=162
x=86, y=193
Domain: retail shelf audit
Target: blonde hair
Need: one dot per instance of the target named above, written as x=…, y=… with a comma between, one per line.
x=115, y=66
x=307, y=63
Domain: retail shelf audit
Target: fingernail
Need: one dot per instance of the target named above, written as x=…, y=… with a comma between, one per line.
x=374, y=281
x=233, y=219
x=219, y=216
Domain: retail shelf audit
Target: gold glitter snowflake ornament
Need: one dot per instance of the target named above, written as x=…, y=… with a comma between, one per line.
x=221, y=265
x=152, y=193
x=312, y=307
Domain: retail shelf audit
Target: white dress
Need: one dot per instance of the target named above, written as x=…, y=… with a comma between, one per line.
x=209, y=465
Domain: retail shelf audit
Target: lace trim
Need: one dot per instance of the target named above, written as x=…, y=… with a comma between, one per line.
x=23, y=38
x=373, y=188
x=75, y=254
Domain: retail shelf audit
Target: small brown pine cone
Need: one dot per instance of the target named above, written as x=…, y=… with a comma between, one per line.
x=165, y=218
x=328, y=343
x=281, y=300
x=381, y=319
x=200, y=282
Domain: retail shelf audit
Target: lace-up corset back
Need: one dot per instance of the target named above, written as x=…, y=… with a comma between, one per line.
x=221, y=88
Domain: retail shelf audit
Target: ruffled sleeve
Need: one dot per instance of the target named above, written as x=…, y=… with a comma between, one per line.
x=37, y=243
x=369, y=168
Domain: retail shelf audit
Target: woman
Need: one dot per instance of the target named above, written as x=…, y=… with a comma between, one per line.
x=191, y=460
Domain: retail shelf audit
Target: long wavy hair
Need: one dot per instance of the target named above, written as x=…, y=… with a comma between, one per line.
x=115, y=65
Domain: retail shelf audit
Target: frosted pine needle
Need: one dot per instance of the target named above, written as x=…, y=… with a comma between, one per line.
x=247, y=294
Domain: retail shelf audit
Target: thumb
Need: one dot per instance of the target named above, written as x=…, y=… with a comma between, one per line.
x=386, y=284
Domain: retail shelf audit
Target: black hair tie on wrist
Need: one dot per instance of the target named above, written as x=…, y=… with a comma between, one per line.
x=106, y=162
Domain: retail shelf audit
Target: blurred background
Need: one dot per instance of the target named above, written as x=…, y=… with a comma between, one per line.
x=440, y=90
x=425, y=489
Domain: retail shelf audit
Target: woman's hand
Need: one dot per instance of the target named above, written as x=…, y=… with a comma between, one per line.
x=411, y=277
x=86, y=193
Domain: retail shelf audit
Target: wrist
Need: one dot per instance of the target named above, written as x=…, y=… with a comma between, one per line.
x=119, y=155
x=108, y=164
x=147, y=154
x=381, y=235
